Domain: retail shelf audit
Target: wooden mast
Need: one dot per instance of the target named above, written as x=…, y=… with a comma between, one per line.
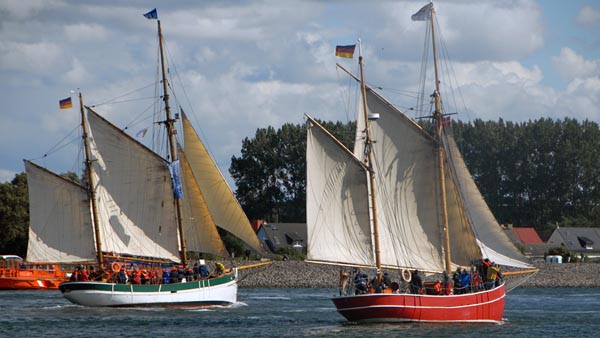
x=437, y=115
x=368, y=148
x=91, y=189
x=169, y=123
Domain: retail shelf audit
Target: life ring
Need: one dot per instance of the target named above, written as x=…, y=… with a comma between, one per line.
x=116, y=267
x=406, y=275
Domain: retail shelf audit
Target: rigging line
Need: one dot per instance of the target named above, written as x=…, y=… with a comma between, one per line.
x=58, y=146
x=114, y=100
x=198, y=127
x=451, y=75
x=137, y=119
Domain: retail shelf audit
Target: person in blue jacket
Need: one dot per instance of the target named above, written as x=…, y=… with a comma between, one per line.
x=166, y=276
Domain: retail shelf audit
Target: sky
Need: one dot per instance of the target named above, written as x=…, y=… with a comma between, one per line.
x=244, y=65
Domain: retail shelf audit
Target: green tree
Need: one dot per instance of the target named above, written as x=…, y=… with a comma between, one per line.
x=270, y=174
x=14, y=216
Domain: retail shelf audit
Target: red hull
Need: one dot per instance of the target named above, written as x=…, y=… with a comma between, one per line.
x=16, y=283
x=15, y=274
x=486, y=306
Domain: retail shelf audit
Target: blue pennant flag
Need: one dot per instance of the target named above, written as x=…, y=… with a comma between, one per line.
x=175, y=170
x=153, y=14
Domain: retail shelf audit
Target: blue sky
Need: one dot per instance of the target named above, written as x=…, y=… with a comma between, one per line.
x=250, y=64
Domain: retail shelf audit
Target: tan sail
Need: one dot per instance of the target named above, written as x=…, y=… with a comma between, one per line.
x=493, y=241
x=337, y=205
x=60, y=228
x=198, y=226
x=134, y=192
x=224, y=207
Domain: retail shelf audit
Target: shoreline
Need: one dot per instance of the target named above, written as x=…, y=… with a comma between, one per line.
x=299, y=274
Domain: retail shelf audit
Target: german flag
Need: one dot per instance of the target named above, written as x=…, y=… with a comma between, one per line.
x=345, y=51
x=65, y=103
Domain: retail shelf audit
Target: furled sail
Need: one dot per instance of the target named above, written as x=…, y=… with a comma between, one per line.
x=60, y=227
x=224, y=207
x=493, y=241
x=200, y=231
x=134, y=193
x=337, y=205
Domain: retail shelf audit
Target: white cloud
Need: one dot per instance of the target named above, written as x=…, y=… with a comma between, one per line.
x=28, y=57
x=76, y=74
x=19, y=10
x=588, y=16
x=85, y=32
x=6, y=175
x=571, y=65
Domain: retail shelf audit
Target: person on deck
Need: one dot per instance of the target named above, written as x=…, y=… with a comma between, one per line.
x=416, y=283
x=166, y=276
x=74, y=275
x=203, y=269
x=360, y=283
x=122, y=276
x=465, y=281
x=475, y=280
x=446, y=284
x=83, y=275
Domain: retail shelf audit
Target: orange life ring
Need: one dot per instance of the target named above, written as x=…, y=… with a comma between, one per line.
x=406, y=275
x=116, y=267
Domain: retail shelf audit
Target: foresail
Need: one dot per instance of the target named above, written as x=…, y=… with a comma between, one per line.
x=464, y=248
x=60, y=221
x=494, y=243
x=406, y=179
x=200, y=231
x=337, y=206
x=222, y=204
x=134, y=194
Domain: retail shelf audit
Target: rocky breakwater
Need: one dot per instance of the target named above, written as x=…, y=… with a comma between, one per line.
x=567, y=275
x=299, y=274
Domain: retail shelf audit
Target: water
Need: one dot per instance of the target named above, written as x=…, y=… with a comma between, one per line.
x=289, y=313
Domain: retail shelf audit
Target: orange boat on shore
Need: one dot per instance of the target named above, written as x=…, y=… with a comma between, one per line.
x=16, y=274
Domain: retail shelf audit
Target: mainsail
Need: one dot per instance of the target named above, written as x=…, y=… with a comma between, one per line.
x=134, y=192
x=60, y=226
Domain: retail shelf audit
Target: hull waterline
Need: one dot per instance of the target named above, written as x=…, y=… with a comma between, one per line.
x=485, y=306
x=215, y=291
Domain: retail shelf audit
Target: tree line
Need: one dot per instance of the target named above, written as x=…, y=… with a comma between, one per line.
x=539, y=174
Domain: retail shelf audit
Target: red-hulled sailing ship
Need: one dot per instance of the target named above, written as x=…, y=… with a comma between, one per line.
x=404, y=200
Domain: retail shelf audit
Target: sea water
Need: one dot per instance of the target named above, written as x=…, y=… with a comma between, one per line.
x=289, y=313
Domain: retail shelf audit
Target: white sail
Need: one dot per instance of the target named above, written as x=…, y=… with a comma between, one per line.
x=224, y=207
x=337, y=206
x=60, y=228
x=200, y=231
x=134, y=194
x=494, y=242
x=406, y=181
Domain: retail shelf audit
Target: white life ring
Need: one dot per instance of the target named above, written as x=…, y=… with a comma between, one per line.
x=406, y=275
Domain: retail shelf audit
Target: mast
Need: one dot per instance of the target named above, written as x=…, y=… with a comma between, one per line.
x=437, y=115
x=368, y=149
x=169, y=123
x=92, y=184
